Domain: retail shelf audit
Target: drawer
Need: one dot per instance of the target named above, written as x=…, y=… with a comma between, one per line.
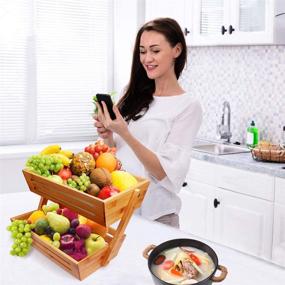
x=241, y=181
x=280, y=191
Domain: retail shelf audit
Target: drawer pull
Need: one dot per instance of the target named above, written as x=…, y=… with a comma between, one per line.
x=216, y=203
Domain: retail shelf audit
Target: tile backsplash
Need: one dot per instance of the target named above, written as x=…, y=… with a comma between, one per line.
x=251, y=78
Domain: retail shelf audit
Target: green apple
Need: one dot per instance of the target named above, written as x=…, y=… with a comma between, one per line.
x=94, y=243
x=55, y=178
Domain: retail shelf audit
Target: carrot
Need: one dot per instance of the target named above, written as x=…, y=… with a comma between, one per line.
x=175, y=272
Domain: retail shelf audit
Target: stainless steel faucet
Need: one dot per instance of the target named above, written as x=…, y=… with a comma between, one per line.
x=224, y=131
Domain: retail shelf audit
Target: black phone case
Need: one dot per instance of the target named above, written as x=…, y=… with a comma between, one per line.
x=109, y=103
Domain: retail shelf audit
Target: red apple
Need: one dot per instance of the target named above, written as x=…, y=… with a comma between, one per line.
x=107, y=192
x=65, y=173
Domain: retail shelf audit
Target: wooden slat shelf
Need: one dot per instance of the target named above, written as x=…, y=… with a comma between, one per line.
x=119, y=207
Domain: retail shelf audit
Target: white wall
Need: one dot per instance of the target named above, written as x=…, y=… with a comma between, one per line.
x=128, y=17
x=13, y=159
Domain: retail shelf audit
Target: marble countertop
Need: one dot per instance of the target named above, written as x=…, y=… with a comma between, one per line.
x=242, y=161
x=129, y=267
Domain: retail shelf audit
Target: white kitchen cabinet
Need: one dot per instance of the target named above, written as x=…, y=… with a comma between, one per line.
x=229, y=206
x=180, y=10
x=243, y=223
x=278, y=248
x=224, y=22
x=237, y=22
x=196, y=213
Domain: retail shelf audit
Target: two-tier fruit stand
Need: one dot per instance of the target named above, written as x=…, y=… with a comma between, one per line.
x=105, y=212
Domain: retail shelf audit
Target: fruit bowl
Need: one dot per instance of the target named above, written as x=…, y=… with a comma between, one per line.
x=105, y=212
x=119, y=207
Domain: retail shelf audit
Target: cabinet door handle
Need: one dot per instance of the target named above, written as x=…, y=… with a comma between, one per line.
x=216, y=203
x=231, y=29
x=186, y=32
x=223, y=30
x=184, y=184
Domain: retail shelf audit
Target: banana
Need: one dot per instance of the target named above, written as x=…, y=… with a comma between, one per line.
x=55, y=148
x=65, y=160
x=67, y=153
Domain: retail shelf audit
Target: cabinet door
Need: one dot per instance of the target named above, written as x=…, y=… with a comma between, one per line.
x=278, y=248
x=252, y=21
x=233, y=22
x=210, y=22
x=179, y=10
x=196, y=214
x=243, y=222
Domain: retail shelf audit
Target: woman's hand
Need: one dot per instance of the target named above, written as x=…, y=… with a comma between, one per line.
x=101, y=130
x=118, y=125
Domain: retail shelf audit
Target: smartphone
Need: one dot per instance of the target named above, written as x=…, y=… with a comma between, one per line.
x=109, y=103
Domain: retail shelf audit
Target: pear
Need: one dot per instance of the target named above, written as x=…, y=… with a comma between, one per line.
x=58, y=223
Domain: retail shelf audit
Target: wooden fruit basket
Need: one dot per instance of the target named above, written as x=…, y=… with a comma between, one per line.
x=104, y=212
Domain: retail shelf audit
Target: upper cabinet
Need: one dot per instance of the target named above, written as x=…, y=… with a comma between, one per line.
x=225, y=22
x=180, y=10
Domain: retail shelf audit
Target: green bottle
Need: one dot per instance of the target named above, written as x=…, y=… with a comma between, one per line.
x=252, y=135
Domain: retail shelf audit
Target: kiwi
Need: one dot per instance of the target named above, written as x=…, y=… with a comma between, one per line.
x=93, y=189
x=101, y=177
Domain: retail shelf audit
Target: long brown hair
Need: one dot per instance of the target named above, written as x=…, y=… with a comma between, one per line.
x=139, y=93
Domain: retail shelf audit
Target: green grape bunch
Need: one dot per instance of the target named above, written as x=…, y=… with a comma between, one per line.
x=80, y=183
x=44, y=165
x=22, y=237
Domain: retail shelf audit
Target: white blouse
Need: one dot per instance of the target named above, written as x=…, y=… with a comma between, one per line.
x=168, y=129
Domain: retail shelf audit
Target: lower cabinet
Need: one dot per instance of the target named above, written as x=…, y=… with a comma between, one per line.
x=278, y=248
x=196, y=216
x=234, y=220
x=238, y=220
x=243, y=223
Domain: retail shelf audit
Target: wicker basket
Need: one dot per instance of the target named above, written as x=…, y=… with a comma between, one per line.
x=274, y=153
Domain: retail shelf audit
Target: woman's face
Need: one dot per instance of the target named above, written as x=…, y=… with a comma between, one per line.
x=156, y=54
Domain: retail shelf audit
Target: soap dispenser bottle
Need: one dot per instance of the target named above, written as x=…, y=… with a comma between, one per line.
x=252, y=135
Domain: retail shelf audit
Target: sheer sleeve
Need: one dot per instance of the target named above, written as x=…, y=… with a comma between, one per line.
x=175, y=153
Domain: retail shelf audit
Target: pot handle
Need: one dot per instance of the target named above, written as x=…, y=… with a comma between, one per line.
x=147, y=250
x=224, y=272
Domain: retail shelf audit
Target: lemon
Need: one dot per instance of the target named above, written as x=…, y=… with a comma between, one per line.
x=123, y=180
x=46, y=238
x=82, y=220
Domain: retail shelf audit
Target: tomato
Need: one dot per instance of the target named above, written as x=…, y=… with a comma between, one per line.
x=105, y=148
x=95, y=155
x=167, y=264
x=195, y=258
x=98, y=148
x=92, y=149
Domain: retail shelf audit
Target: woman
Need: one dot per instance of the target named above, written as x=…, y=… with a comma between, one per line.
x=156, y=120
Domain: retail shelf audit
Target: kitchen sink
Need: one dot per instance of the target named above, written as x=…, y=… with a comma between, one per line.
x=219, y=148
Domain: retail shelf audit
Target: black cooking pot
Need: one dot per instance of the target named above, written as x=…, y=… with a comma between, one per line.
x=156, y=250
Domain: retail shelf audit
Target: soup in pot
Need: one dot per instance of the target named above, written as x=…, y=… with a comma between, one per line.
x=182, y=265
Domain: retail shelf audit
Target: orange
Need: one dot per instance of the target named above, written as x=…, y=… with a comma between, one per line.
x=35, y=216
x=106, y=160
